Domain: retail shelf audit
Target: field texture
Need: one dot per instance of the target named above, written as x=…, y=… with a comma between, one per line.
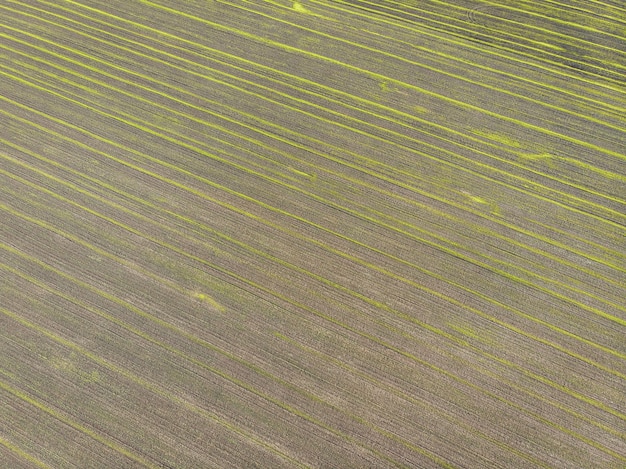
x=327, y=233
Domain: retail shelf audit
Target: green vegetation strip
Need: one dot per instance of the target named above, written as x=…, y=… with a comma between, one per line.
x=301, y=219
x=420, y=65
x=426, y=194
x=573, y=197
x=523, y=182
x=152, y=387
x=108, y=442
x=143, y=124
x=445, y=26
x=605, y=173
x=302, y=306
x=158, y=390
x=20, y=452
x=413, y=283
x=383, y=78
x=405, y=396
x=145, y=129
x=393, y=275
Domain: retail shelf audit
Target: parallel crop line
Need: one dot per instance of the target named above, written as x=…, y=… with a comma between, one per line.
x=465, y=43
x=370, y=103
x=578, y=267
x=274, y=209
x=353, y=241
x=554, y=19
x=578, y=238
x=142, y=126
x=506, y=6
x=426, y=194
x=218, y=372
x=439, y=295
x=332, y=284
x=381, y=77
x=588, y=166
x=22, y=454
x=572, y=39
x=537, y=396
x=588, y=11
x=189, y=143
x=191, y=222
x=247, y=387
x=391, y=388
x=446, y=32
x=607, y=5
x=592, y=105
x=342, y=116
x=384, y=271
x=140, y=234
x=167, y=325
x=269, y=257
x=355, y=294
x=121, y=371
x=173, y=397
x=441, y=71
x=222, y=236
x=333, y=5
x=176, y=286
x=403, y=395
x=60, y=416
x=249, y=63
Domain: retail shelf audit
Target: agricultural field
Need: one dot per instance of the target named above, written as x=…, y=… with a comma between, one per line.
x=321, y=233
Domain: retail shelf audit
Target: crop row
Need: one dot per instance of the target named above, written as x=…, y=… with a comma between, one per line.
x=314, y=240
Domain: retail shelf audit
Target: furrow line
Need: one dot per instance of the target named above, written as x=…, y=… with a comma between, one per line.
x=188, y=336
x=413, y=284
x=274, y=136
x=469, y=34
x=607, y=5
x=381, y=77
x=475, y=212
x=142, y=127
x=225, y=238
x=478, y=213
x=132, y=377
x=583, y=8
x=519, y=331
x=438, y=70
x=555, y=19
x=457, y=303
x=108, y=442
x=448, y=5
x=486, y=371
x=414, y=46
x=250, y=225
x=445, y=38
x=418, y=268
x=342, y=116
x=296, y=217
x=615, y=110
x=250, y=64
x=445, y=413
x=247, y=387
x=406, y=354
x=21, y=453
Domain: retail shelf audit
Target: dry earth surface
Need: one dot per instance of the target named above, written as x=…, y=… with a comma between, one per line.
x=323, y=233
